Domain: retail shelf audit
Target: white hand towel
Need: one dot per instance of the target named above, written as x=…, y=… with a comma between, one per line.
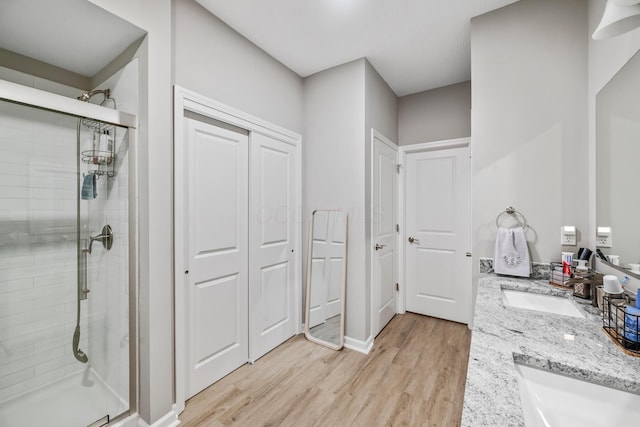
x=511, y=255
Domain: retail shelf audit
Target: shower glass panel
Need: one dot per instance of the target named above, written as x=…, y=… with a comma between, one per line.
x=56, y=195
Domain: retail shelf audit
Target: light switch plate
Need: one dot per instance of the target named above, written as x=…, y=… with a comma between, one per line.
x=568, y=236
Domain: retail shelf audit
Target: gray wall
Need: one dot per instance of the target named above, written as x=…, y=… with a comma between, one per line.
x=529, y=121
x=333, y=164
x=214, y=60
x=435, y=115
x=341, y=105
x=381, y=105
x=381, y=114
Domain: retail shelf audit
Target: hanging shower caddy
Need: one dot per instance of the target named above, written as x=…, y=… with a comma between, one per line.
x=102, y=156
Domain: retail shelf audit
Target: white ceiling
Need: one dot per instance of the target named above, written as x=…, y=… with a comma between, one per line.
x=72, y=34
x=415, y=45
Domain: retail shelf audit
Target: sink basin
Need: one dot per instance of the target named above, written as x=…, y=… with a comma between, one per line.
x=539, y=302
x=550, y=400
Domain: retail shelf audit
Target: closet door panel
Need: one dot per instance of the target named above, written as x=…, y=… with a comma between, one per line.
x=273, y=207
x=216, y=196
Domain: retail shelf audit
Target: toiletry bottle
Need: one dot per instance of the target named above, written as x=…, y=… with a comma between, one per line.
x=95, y=147
x=632, y=324
x=624, y=281
x=103, y=141
x=110, y=147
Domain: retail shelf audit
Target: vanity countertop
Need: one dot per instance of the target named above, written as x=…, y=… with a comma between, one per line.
x=502, y=336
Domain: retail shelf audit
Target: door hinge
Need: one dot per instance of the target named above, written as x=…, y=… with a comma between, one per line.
x=397, y=287
x=397, y=228
x=398, y=166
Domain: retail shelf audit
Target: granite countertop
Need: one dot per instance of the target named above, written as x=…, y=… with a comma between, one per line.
x=503, y=336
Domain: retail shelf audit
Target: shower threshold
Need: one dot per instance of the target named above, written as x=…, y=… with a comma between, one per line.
x=77, y=400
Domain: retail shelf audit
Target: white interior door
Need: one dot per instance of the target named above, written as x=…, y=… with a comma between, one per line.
x=326, y=266
x=216, y=210
x=437, y=209
x=384, y=236
x=272, y=257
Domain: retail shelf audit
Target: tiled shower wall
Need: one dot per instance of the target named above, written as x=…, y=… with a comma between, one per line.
x=37, y=248
x=108, y=299
x=109, y=320
x=38, y=261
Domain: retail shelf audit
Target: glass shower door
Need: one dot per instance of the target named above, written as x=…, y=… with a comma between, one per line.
x=46, y=226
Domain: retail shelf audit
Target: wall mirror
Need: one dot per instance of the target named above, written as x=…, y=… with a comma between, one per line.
x=326, y=278
x=617, y=157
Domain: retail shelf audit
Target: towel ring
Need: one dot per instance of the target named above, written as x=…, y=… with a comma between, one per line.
x=511, y=211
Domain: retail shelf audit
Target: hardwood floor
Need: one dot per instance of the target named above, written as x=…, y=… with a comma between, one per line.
x=414, y=376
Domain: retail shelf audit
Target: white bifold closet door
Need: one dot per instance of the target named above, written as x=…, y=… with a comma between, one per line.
x=241, y=200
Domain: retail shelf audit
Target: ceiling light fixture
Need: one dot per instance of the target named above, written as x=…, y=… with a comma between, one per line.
x=619, y=17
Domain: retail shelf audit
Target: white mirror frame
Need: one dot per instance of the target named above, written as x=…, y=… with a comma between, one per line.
x=307, y=305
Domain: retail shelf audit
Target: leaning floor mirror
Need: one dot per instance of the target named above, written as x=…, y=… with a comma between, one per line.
x=326, y=278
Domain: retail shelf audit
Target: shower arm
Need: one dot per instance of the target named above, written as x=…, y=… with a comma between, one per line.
x=86, y=96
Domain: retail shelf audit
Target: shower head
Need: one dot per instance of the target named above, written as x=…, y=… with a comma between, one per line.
x=85, y=97
x=77, y=353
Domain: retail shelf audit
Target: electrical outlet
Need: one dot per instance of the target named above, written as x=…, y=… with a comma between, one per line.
x=603, y=242
x=603, y=237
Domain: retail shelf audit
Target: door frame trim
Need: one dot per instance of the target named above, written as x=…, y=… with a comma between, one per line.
x=186, y=100
x=410, y=149
x=386, y=141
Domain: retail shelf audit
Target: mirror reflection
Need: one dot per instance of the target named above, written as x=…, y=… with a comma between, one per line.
x=326, y=275
x=617, y=155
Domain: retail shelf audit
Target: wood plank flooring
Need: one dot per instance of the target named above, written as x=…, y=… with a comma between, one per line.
x=414, y=376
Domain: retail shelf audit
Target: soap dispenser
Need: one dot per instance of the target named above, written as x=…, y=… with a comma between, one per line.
x=632, y=324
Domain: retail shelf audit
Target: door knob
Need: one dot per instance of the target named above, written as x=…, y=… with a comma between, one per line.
x=413, y=240
x=379, y=246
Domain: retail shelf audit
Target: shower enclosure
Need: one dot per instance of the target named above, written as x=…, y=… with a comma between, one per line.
x=67, y=261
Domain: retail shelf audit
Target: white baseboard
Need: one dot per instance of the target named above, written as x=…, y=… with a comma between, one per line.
x=170, y=419
x=357, y=345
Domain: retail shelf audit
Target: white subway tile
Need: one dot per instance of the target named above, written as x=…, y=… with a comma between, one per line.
x=24, y=363
x=15, y=308
x=16, y=377
x=31, y=383
x=15, y=285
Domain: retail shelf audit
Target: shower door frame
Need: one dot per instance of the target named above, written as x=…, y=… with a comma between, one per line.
x=36, y=98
